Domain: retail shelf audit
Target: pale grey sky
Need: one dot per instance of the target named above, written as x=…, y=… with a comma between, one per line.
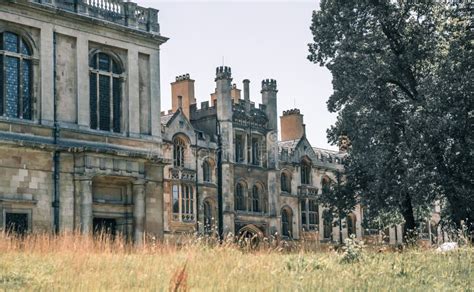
x=258, y=40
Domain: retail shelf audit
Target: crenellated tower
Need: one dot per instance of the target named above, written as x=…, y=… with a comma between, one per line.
x=269, y=99
x=225, y=129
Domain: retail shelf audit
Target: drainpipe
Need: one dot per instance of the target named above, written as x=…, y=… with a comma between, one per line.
x=219, y=183
x=196, y=182
x=56, y=157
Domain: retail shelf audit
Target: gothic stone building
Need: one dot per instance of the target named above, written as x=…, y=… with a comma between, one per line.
x=84, y=144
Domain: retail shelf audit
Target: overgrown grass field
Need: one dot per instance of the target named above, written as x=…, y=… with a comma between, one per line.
x=73, y=262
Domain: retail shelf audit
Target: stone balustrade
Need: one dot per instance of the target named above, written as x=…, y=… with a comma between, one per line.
x=307, y=191
x=117, y=11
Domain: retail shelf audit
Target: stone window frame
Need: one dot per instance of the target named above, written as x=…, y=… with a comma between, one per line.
x=184, y=195
x=309, y=216
x=240, y=200
x=114, y=75
x=25, y=38
x=16, y=210
x=207, y=171
x=285, y=186
x=289, y=213
x=179, y=151
x=305, y=171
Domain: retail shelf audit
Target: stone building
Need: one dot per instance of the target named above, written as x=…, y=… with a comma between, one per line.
x=84, y=144
x=80, y=134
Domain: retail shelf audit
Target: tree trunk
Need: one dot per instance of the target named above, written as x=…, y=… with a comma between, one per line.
x=409, y=231
x=340, y=231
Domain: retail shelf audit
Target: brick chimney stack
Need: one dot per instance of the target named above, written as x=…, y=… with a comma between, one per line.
x=182, y=94
x=292, y=126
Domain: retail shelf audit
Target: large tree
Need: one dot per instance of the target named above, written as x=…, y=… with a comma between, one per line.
x=386, y=61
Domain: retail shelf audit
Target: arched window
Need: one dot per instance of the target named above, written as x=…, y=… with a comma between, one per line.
x=285, y=182
x=351, y=224
x=105, y=93
x=256, y=203
x=286, y=222
x=325, y=185
x=206, y=172
x=305, y=172
x=327, y=224
x=240, y=197
x=178, y=152
x=15, y=77
x=208, y=217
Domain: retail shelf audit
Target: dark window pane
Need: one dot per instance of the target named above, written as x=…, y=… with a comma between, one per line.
x=104, y=103
x=10, y=42
x=16, y=223
x=93, y=99
x=117, y=95
x=1, y=85
x=93, y=62
x=104, y=62
x=116, y=68
x=25, y=50
x=12, y=86
x=175, y=199
x=26, y=87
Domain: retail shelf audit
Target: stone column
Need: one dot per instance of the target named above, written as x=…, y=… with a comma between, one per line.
x=133, y=93
x=139, y=210
x=86, y=205
x=83, y=94
x=47, y=74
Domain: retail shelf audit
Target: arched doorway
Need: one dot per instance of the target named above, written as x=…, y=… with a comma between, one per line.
x=250, y=235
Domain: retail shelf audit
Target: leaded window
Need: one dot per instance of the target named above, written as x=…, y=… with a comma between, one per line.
x=206, y=171
x=285, y=182
x=183, y=202
x=309, y=214
x=255, y=152
x=105, y=93
x=239, y=148
x=240, y=197
x=305, y=173
x=15, y=77
x=208, y=217
x=178, y=152
x=286, y=222
x=256, y=203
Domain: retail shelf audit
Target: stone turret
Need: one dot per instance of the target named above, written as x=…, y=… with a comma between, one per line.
x=224, y=118
x=269, y=99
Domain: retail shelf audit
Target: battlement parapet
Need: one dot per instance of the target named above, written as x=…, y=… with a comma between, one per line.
x=290, y=112
x=269, y=85
x=223, y=72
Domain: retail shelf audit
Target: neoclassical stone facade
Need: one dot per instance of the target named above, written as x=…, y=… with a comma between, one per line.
x=84, y=145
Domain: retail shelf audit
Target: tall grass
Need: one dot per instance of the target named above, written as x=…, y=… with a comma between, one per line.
x=77, y=262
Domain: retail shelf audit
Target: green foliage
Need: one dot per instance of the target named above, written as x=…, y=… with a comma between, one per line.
x=393, y=65
x=301, y=263
x=353, y=250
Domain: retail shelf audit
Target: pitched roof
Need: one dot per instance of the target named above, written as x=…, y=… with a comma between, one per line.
x=166, y=118
x=289, y=145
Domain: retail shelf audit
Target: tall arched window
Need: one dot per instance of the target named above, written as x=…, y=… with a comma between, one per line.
x=285, y=182
x=105, y=93
x=286, y=222
x=208, y=217
x=327, y=224
x=325, y=185
x=15, y=77
x=351, y=224
x=256, y=203
x=178, y=152
x=206, y=171
x=240, y=197
x=305, y=172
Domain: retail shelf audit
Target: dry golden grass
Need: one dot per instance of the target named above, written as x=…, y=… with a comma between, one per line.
x=72, y=262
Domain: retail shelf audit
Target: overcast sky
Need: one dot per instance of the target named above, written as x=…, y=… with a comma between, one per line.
x=258, y=40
